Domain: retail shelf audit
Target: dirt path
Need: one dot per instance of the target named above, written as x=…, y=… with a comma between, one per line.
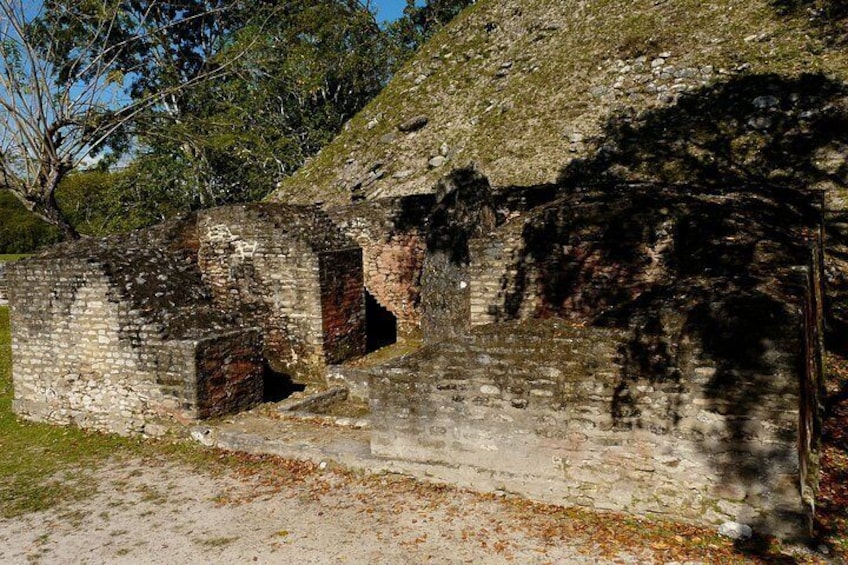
x=143, y=513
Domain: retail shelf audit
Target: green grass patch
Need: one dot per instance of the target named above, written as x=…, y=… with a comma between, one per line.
x=216, y=542
x=44, y=465
x=12, y=257
x=33, y=456
x=387, y=353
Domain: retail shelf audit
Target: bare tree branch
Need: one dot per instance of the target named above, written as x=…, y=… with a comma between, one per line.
x=59, y=107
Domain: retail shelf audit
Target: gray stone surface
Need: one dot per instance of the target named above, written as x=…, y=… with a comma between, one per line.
x=290, y=271
x=179, y=321
x=735, y=531
x=542, y=401
x=414, y=124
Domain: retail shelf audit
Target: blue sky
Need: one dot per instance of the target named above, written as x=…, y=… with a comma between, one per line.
x=389, y=9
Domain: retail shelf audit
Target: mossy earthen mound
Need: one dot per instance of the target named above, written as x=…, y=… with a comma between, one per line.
x=541, y=91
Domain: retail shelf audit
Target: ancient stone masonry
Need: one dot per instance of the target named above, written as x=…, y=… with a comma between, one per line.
x=118, y=335
x=594, y=253
x=690, y=314
x=2, y=282
x=291, y=272
x=392, y=235
x=465, y=208
x=179, y=321
x=535, y=399
x=638, y=347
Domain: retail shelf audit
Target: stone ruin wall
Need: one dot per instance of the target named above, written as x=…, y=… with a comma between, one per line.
x=392, y=235
x=273, y=282
x=257, y=260
x=86, y=373
x=535, y=404
x=713, y=310
x=342, y=306
x=108, y=367
x=669, y=402
x=126, y=333
x=445, y=298
x=229, y=371
x=465, y=209
x=259, y=266
x=495, y=272
x=3, y=291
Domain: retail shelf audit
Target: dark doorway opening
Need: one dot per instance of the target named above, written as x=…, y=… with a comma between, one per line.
x=278, y=386
x=380, y=324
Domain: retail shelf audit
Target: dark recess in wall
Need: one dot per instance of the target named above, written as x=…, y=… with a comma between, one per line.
x=278, y=386
x=381, y=325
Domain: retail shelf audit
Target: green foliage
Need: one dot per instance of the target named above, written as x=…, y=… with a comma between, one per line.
x=81, y=77
x=99, y=202
x=419, y=23
x=21, y=231
x=226, y=98
x=296, y=73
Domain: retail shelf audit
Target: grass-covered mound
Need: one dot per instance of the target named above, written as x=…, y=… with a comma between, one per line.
x=532, y=90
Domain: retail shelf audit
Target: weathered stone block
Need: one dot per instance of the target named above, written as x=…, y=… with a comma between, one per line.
x=290, y=271
x=444, y=405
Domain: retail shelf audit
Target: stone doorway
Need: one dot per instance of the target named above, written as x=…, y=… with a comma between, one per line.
x=380, y=324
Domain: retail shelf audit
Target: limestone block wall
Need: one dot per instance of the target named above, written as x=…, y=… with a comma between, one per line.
x=391, y=234
x=445, y=296
x=289, y=271
x=84, y=373
x=274, y=283
x=494, y=278
x=228, y=373
x=713, y=297
x=465, y=209
x=83, y=354
x=560, y=413
x=590, y=254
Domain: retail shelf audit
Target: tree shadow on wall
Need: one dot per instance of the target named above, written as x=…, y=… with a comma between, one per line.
x=464, y=208
x=751, y=130
x=686, y=228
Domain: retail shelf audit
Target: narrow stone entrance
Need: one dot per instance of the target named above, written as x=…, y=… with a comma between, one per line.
x=278, y=386
x=381, y=325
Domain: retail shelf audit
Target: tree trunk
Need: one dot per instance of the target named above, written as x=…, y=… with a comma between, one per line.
x=55, y=172
x=52, y=214
x=49, y=212
x=41, y=199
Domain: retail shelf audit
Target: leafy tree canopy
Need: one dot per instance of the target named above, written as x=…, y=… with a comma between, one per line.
x=419, y=23
x=208, y=101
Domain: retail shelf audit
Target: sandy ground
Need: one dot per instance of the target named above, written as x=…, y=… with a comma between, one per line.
x=143, y=513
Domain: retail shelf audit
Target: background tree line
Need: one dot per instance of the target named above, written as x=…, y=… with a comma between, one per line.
x=121, y=113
